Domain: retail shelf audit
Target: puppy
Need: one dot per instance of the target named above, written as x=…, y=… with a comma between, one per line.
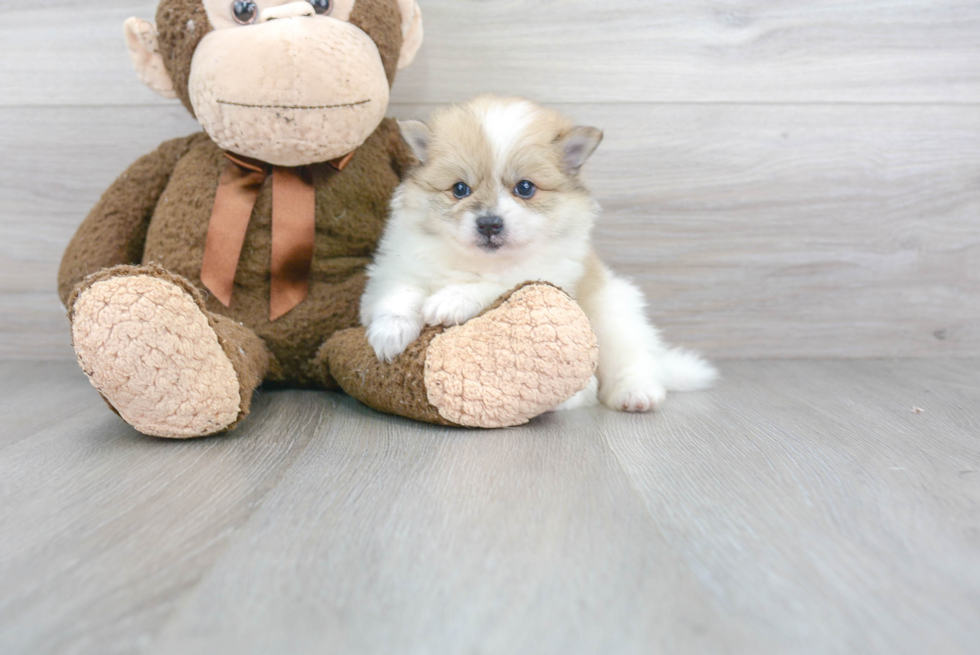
x=496, y=201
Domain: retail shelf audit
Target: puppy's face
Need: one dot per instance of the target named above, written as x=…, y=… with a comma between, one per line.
x=500, y=175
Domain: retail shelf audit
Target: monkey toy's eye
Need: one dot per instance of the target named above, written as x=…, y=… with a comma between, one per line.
x=244, y=11
x=525, y=189
x=461, y=190
x=322, y=7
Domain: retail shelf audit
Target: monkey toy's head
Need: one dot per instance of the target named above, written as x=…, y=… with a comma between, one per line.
x=288, y=82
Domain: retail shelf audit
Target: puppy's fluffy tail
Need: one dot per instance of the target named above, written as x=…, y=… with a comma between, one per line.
x=684, y=370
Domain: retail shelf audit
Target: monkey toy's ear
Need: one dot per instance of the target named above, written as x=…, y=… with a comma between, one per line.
x=411, y=31
x=141, y=39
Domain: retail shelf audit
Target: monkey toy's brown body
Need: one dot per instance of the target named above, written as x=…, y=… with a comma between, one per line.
x=176, y=361
x=184, y=173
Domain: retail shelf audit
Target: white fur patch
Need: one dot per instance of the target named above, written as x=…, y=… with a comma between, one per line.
x=391, y=334
x=504, y=124
x=393, y=319
x=636, y=368
x=456, y=304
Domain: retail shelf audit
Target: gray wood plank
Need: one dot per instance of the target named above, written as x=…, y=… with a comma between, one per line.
x=65, y=52
x=390, y=536
x=800, y=507
x=803, y=489
x=754, y=230
x=33, y=326
x=35, y=395
x=103, y=531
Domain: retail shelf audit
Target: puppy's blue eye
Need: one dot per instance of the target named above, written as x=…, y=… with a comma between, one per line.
x=461, y=190
x=525, y=189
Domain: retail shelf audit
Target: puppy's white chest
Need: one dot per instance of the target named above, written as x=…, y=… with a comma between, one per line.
x=552, y=267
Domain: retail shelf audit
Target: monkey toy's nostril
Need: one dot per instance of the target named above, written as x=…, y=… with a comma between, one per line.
x=489, y=226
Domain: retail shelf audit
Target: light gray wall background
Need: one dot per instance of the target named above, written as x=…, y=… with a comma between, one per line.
x=784, y=178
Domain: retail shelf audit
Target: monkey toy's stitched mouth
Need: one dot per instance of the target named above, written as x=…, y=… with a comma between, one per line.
x=303, y=107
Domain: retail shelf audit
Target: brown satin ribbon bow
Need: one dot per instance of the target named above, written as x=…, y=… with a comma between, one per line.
x=293, y=229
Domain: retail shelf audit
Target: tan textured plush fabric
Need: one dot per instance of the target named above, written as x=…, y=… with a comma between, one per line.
x=150, y=351
x=395, y=388
x=163, y=305
x=335, y=75
x=182, y=24
x=515, y=362
x=529, y=352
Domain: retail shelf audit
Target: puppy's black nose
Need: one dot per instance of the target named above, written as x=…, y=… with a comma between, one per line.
x=489, y=226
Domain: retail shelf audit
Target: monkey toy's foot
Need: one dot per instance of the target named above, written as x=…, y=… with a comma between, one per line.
x=522, y=357
x=161, y=361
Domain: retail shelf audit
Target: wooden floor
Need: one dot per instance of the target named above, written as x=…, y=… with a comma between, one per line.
x=800, y=507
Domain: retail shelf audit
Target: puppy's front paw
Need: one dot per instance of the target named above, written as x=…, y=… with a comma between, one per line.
x=635, y=397
x=451, y=306
x=390, y=334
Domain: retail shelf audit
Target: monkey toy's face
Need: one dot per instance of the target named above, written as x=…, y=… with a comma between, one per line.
x=286, y=82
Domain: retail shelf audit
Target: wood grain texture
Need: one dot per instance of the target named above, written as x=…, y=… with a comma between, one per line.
x=52, y=386
x=755, y=231
x=783, y=179
x=69, y=52
x=33, y=326
x=444, y=541
x=814, y=489
x=800, y=507
x=105, y=530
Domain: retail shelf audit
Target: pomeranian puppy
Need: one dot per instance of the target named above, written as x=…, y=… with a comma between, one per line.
x=497, y=200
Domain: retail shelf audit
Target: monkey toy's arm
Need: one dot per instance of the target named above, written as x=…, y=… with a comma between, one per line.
x=115, y=230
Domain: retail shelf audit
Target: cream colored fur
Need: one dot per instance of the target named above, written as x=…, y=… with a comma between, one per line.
x=434, y=267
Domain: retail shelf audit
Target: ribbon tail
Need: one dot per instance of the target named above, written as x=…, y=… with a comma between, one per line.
x=293, y=234
x=233, y=204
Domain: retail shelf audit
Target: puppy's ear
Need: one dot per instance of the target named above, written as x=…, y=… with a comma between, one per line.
x=577, y=145
x=417, y=136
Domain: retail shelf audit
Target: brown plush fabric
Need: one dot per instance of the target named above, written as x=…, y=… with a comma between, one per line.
x=521, y=358
x=177, y=42
x=351, y=209
x=115, y=230
x=396, y=388
x=382, y=20
x=248, y=355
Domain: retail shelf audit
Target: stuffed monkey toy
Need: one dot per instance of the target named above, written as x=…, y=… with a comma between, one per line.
x=236, y=256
